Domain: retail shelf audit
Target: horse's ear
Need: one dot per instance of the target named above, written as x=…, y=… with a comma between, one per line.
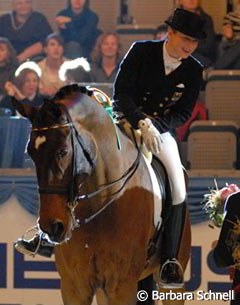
x=53, y=108
x=26, y=111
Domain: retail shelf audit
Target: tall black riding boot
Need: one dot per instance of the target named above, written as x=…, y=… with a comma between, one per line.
x=171, y=273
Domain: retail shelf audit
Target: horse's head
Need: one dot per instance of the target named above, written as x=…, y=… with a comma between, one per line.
x=63, y=157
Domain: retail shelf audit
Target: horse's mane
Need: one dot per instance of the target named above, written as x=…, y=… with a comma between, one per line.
x=52, y=107
x=82, y=105
x=68, y=90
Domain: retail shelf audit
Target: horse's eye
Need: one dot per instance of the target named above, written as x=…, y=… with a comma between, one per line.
x=62, y=153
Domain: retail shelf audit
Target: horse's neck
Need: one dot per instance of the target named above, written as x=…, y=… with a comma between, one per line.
x=115, y=151
x=111, y=165
x=112, y=161
x=95, y=120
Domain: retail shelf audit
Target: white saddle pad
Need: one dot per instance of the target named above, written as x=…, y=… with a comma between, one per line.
x=157, y=194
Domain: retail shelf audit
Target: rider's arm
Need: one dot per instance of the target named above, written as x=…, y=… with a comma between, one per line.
x=126, y=86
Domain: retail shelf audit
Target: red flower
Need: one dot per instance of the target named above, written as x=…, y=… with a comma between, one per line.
x=227, y=190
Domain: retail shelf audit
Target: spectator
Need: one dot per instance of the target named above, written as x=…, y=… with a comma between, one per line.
x=50, y=82
x=199, y=113
x=106, y=58
x=25, y=28
x=226, y=248
x=8, y=63
x=75, y=71
x=229, y=48
x=161, y=32
x=25, y=87
x=78, y=27
x=206, y=51
x=235, y=277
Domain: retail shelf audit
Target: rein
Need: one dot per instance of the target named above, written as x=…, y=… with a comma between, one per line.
x=127, y=176
x=73, y=199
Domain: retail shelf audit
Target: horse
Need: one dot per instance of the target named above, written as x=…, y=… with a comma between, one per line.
x=96, y=199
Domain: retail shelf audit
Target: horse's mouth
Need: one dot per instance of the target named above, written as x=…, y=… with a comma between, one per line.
x=58, y=240
x=58, y=233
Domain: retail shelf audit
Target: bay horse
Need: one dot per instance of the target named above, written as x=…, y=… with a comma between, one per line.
x=96, y=199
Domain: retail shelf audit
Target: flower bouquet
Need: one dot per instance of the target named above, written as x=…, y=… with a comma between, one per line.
x=214, y=203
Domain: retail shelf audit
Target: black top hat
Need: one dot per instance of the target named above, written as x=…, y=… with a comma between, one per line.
x=188, y=23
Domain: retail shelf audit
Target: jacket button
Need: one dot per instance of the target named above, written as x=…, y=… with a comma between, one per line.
x=144, y=98
x=161, y=105
x=166, y=98
x=155, y=113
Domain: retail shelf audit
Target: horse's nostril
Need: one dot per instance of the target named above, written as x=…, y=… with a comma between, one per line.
x=57, y=228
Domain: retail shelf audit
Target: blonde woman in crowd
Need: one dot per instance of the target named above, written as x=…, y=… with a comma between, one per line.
x=106, y=58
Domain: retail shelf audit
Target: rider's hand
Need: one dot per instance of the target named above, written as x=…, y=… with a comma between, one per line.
x=151, y=136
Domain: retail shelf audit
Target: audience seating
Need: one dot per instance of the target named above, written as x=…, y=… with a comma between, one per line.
x=223, y=74
x=130, y=33
x=14, y=133
x=222, y=95
x=212, y=145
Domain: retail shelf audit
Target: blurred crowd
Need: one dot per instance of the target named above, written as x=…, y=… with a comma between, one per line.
x=26, y=37
x=83, y=52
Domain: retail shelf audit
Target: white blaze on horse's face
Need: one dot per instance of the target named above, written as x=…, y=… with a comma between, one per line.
x=39, y=141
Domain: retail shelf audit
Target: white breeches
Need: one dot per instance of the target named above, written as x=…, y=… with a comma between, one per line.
x=169, y=156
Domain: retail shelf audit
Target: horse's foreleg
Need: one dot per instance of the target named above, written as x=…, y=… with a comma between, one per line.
x=101, y=297
x=124, y=294
x=146, y=285
x=76, y=300
x=73, y=296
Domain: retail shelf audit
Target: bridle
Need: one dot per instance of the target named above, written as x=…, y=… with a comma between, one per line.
x=76, y=140
x=73, y=197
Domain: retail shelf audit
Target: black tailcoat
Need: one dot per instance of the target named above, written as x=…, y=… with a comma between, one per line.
x=143, y=89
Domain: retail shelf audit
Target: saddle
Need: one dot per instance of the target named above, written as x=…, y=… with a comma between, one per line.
x=163, y=183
